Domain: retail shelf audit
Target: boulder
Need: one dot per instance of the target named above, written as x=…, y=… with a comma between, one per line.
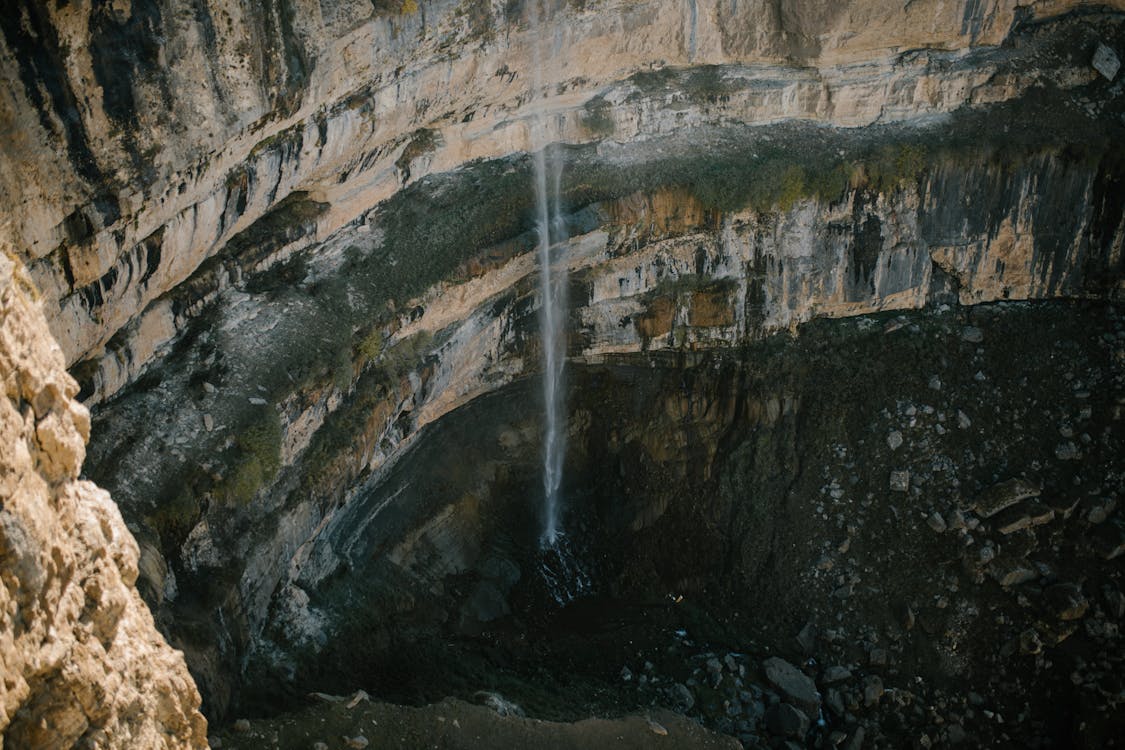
x=794, y=684
x=1106, y=61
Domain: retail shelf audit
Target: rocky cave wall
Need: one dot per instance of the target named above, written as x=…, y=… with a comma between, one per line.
x=276, y=244
x=83, y=663
x=147, y=136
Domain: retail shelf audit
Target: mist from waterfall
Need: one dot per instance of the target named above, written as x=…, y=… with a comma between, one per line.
x=552, y=287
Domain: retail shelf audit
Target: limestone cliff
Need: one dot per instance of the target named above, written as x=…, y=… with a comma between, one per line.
x=280, y=241
x=145, y=137
x=82, y=662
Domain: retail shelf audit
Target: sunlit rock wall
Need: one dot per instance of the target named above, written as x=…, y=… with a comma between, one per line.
x=82, y=663
x=145, y=136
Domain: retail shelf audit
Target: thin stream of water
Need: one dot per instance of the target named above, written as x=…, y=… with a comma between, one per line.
x=552, y=288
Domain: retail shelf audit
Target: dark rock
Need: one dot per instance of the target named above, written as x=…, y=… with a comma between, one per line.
x=1008, y=571
x=955, y=734
x=1004, y=495
x=936, y=522
x=900, y=480
x=1100, y=509
x=972, y=334
x=502, y=570
x=1114, y=600
x=487, y=603
x=784, y=720
x=907, y=617
x=682, y=697
x=807, y=638
x=1062, y=505
x=1109, y=540
x=1022, y=516
x=855, y=742
x=986, y=554
x=835, y=702
x=836, y=674
x=1054, y=633
x=1065, y=601
x=872, y=690
x=1030, y=643
x=1067, y=451
x=794, y=684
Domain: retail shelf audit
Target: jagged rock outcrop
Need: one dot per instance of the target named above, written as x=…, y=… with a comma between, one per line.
x=82, y=663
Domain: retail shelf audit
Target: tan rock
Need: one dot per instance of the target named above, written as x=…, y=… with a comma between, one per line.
x=81, y=658
x=236, y=141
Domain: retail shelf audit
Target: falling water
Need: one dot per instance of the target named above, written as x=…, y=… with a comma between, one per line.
x=552, y=287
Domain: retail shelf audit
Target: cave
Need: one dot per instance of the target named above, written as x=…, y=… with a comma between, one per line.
x=421, y=373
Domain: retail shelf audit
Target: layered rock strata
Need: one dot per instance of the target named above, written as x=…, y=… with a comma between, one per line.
x=82, y=663
x=146, y=139
x=279, y=243
x=305, y=366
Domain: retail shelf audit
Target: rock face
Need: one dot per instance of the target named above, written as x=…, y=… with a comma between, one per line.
x=358, y=292
x=83, y=664
x=147, y=139
x=278, y=242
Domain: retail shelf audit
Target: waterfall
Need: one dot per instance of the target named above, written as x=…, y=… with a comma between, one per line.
x=552, y=290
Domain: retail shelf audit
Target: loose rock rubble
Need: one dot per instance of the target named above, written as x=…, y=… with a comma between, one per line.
x=951, y=590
